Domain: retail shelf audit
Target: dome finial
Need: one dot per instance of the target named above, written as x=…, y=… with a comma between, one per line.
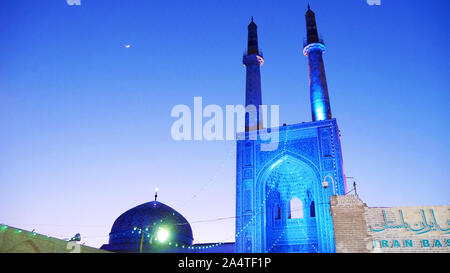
x=156, y=193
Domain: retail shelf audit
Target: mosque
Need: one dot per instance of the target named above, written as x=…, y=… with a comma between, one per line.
x=293, y=198
x=283, y=197
x=289, y=199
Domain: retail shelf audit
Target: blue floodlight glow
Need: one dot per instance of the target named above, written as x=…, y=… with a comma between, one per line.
x=313, y=46
x=282, y=206
x=320, y=102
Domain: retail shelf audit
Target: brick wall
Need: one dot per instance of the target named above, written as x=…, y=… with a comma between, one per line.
x=359, y=228
x=349, y=223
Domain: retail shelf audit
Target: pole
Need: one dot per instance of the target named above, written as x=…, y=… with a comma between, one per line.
x=142, y=241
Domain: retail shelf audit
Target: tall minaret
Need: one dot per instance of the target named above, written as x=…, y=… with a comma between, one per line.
x=252, y=60
x=313, y=48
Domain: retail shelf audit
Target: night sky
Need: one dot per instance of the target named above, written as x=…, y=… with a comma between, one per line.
x=85, y=119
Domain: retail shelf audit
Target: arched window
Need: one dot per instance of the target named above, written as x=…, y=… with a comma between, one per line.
x=312, y=209
x=296, y=208
x=277, y=212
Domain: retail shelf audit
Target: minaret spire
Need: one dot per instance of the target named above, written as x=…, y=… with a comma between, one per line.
x=252, y=44
x=253, y=60
x=313, y=49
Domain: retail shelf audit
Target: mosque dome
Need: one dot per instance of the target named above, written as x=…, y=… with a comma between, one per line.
x=150, y=225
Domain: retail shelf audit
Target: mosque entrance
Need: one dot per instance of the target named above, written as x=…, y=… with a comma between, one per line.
x=290, y=211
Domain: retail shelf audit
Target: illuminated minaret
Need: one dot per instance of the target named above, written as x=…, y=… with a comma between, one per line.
x=253, y=60
x=283, y=195
x=313, y=48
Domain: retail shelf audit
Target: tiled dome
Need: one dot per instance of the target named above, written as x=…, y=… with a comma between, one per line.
x=141, y=223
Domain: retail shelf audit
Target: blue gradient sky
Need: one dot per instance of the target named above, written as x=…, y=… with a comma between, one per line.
x=85, y=122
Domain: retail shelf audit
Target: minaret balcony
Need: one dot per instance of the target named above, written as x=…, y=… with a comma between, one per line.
x=313, y=46
x=252, y=59
x=260, y=53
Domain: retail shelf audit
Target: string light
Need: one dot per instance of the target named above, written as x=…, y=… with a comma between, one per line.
x=274, y=185
x=210, y=181
x=251, y=221
x=195, y=195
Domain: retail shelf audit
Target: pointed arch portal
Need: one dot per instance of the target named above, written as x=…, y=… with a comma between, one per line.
x=287, y=183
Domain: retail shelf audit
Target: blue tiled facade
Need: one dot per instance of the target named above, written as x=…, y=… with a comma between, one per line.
x=281, y=204
x=283, y=195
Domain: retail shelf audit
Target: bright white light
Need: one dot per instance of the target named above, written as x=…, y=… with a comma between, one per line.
x=127, y=46
x=73, y=2
x=162, y=235
x=156, y=189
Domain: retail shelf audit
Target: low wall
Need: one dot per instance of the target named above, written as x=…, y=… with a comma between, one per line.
x=14, y=240
x=359, y=228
